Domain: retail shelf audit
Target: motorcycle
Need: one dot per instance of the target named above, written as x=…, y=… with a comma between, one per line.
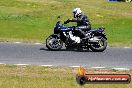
x=95, y=39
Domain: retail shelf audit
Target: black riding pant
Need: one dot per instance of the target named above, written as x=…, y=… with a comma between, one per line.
x=80, y=30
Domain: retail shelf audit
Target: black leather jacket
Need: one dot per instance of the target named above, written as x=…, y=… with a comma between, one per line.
x=82, y=20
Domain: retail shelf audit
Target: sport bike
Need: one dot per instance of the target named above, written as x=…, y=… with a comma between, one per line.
x=95, y=39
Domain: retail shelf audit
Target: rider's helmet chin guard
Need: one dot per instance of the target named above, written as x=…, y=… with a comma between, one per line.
x=77, y=12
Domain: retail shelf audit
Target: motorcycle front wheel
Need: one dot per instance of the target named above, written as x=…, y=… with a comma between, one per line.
x=100, y=46
x=54, y=43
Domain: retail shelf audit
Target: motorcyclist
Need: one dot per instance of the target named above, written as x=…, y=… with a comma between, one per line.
x=83, y=24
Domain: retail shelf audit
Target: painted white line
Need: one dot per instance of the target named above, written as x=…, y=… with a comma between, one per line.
x=70, y=66
x=17, y=42
x=74, y=66
x=99, y=67
x=2, y=63
x=38, y=43
x=120, y=68
x=46, y=65
x=21, y=64
x=126, y=47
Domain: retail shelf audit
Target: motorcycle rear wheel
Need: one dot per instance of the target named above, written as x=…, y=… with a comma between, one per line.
x=100, y=46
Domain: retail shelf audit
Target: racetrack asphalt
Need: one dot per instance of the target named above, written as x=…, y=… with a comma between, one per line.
x=38, y=54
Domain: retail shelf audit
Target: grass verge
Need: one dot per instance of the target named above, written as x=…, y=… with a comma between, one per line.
x=33, y=20
x=12, y=76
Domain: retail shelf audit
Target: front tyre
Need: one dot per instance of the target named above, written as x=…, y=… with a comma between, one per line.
x=54, y=43
x=100, y=46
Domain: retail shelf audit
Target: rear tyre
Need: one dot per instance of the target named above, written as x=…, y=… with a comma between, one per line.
x=100, y=46
x=54, y=43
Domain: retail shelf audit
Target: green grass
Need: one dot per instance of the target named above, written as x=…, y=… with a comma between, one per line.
x=33, y=20
x=12, y=76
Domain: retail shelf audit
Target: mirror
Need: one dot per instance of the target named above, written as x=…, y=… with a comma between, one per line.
x=58, y=17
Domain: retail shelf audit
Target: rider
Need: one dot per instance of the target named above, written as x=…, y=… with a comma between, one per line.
x=83, y=24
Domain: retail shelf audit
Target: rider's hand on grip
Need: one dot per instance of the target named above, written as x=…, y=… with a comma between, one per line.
x=65, y=22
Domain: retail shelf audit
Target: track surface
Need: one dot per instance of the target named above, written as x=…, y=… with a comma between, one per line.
x=11, y=53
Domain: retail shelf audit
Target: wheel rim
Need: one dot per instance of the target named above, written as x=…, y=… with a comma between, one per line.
x=54, y=43
x=99, y=44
